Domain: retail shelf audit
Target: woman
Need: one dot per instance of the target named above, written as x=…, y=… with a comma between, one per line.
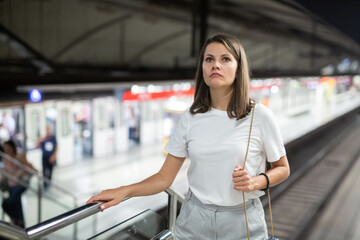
x=12, y=205
x=214, y=135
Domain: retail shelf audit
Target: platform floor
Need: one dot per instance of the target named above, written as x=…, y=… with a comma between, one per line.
x=89, y=176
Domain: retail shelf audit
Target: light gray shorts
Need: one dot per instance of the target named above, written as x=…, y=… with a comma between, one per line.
x=198, y=221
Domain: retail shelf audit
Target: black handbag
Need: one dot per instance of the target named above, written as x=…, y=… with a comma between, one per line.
x=268, y=191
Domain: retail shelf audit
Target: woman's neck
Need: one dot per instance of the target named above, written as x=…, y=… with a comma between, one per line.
x=220, y=98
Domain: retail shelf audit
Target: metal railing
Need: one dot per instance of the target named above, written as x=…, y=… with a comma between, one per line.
x=166, y=234
x=9, y=231
x=174, y=198
x=61, y=221
x=72, y=217
x=41, y=179
x=38, y=191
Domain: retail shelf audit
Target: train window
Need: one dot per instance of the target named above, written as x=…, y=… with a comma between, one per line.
x=101, y=118
x=121, y=118
x=111, y=120
x=35, y=125
x=65, y=122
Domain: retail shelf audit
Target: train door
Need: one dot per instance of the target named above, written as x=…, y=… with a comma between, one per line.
x=132, y=122
x=12, y=125
x=146, y=122
x=158, y=107
x=151, y=122
x=34, y=128
x=50, y=115
x=121, y=129
x=104, y=123
x=64, y=135
x=81, y=130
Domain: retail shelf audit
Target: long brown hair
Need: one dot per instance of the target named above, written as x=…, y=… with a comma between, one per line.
x=240, y=103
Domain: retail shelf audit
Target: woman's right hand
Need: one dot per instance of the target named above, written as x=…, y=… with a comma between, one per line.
x=110, y=197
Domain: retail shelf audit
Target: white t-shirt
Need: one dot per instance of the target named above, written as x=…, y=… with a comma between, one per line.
x=215, y=144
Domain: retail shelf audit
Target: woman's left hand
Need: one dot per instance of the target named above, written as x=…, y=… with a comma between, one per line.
x=242, y=181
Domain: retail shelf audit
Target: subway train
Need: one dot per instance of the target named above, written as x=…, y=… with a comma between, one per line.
x=91, y=127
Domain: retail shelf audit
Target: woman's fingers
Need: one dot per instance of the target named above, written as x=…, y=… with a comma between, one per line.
x=241, y=179
x=243, y=186
x=108, y=204
x=240, y=175
x=109, y=198
x=101, y=197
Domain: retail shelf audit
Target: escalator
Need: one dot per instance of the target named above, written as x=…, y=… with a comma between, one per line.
x=143, y=226
x=146, y=225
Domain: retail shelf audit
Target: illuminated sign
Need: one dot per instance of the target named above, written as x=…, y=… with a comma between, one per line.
x=35, y=95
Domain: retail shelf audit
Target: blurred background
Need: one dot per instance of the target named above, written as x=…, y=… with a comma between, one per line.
x=111, y=78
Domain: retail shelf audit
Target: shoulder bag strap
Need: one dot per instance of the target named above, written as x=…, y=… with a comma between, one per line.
x=270, y=213
x=268, y=191
x=243, y=167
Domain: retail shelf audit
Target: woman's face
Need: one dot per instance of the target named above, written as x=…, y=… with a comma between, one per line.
x=219, y=66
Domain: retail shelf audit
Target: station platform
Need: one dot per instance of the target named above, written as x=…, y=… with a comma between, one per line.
x=90, y=176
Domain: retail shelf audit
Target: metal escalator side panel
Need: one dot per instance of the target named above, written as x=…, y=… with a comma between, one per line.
x=141, y=226
x=8, y=231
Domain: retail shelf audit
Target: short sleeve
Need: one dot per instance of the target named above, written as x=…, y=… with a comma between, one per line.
x=177, y=145
x=271, y=136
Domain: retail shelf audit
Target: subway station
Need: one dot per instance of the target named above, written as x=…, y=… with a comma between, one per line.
x=95, y=93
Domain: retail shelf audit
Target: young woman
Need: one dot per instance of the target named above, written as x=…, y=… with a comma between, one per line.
x=213, y=133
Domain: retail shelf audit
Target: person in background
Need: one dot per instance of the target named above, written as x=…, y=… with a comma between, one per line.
x=49, y=149
x=8, y=122
x=12, y=205
x=213, y=133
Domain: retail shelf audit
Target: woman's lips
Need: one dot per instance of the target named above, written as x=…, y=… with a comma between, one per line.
x=215, y=75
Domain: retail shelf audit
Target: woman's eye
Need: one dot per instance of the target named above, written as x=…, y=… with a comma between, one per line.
x=226, y=59
x=208, y=59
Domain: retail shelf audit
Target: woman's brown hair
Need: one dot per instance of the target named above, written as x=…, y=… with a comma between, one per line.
x=12, y=145
x=240, y=103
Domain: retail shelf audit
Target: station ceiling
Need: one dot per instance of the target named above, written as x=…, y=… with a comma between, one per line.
x=46, y=42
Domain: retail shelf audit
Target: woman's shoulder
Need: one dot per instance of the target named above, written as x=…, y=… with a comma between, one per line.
x=263, y=111
x=188, y=115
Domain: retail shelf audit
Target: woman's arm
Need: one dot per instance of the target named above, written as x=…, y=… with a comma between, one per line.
x=279, y=171
x=158, y=182
x=52, y=158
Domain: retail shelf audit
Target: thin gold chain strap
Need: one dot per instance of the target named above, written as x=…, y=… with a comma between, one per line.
x=247, y=150
x=270, y=212
x=268, y=191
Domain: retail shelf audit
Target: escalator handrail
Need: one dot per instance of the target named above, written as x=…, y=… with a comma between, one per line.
x=51, y=225
x=46, y=227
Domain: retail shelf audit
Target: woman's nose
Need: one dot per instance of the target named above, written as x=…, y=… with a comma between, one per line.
x=216, y=65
